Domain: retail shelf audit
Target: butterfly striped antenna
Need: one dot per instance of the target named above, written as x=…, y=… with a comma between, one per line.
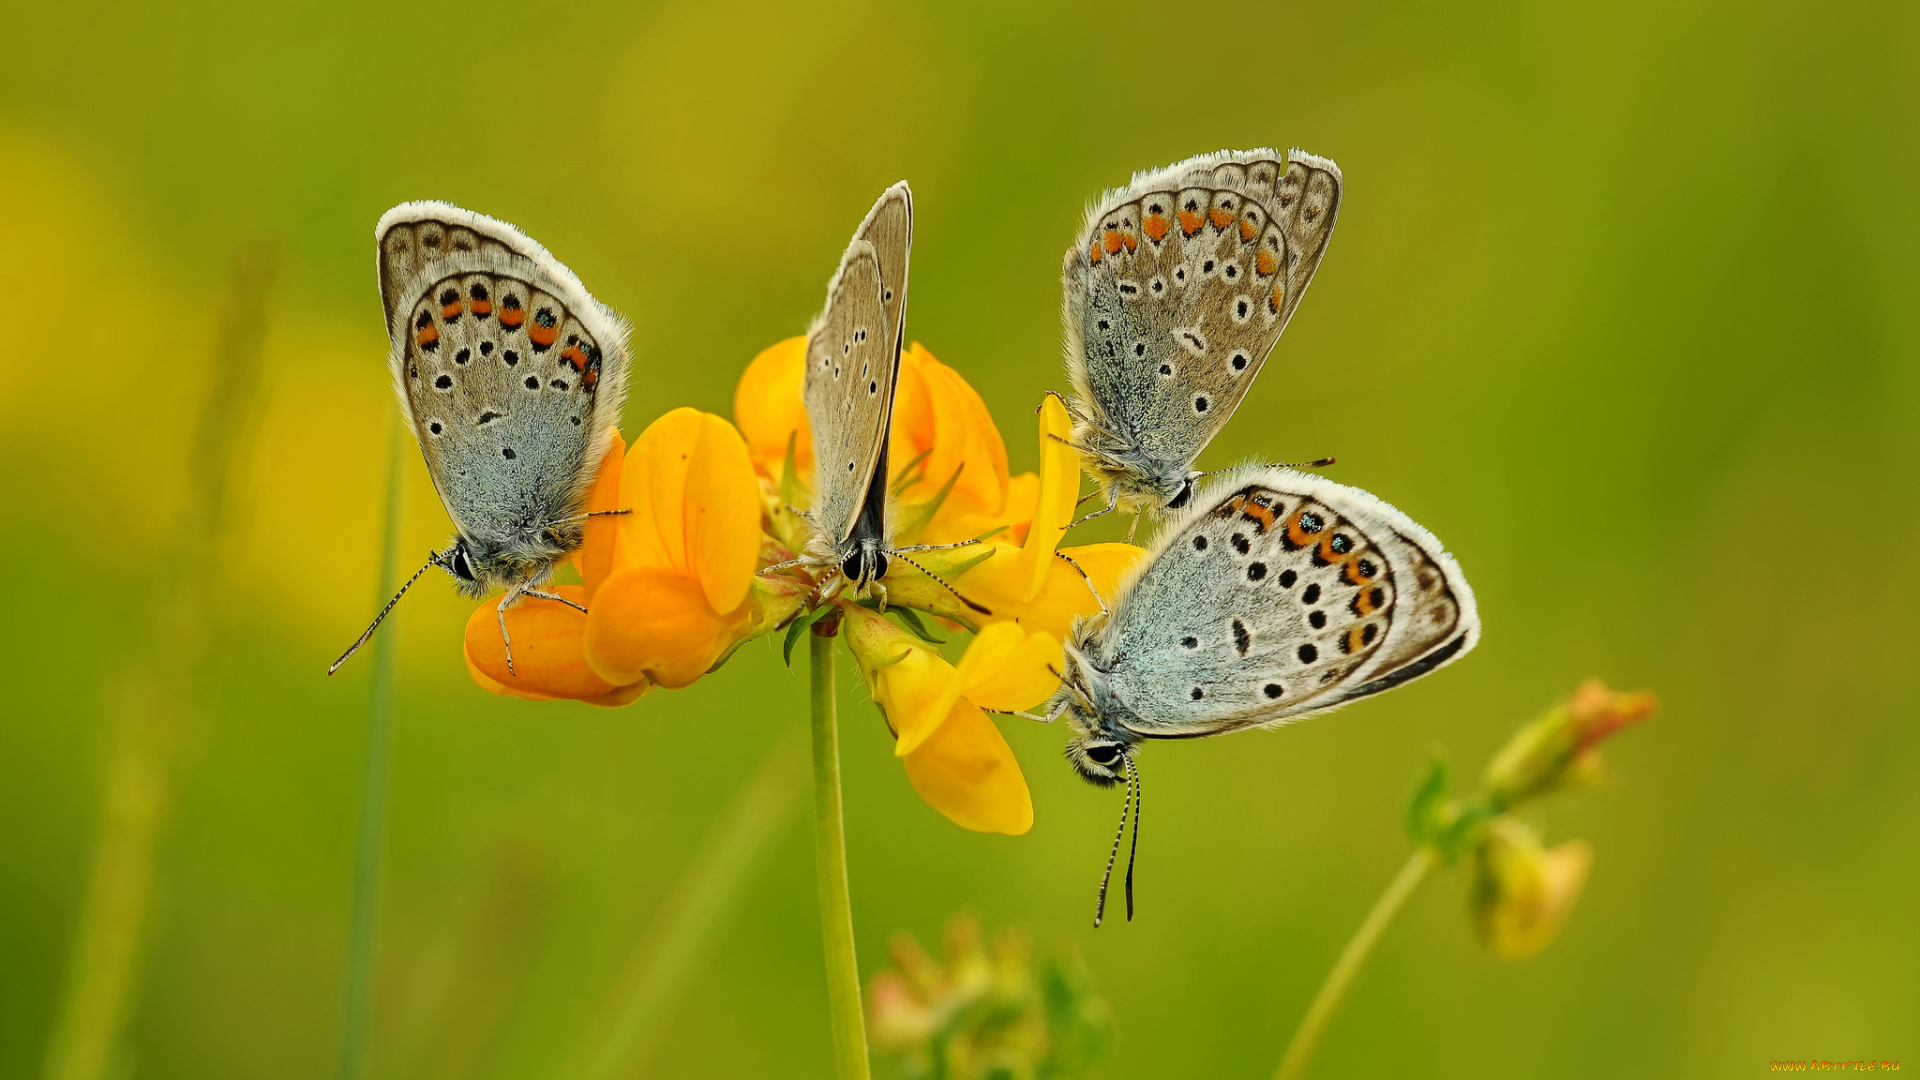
x=1126, y=807
x=435, y=559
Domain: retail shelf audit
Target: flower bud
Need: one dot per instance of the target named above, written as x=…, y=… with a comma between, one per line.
x=1558, y=752
x=1522, y=892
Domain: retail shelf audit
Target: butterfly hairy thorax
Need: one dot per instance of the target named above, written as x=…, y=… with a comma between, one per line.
x=512, y=378
x=1274, y=596
x=1177, y=290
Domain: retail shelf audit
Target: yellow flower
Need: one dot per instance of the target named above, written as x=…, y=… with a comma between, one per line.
x=1029, y=583
x=1523, y=892
x=954, y=755
x=669, y=584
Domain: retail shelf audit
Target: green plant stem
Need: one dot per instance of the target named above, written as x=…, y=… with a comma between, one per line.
x=371, y=841
x=1352, y=958
x=830, y=865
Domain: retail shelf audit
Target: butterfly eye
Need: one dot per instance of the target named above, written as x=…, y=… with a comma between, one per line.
x=1105, y=754
x=461, y=567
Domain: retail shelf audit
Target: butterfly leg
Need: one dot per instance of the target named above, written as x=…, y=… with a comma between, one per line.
x=1068, y=405
x=1083, y=577
x=1113, y=500
x=506, y=639
x=555, y=596
x=1135, y=527
x=981, y=539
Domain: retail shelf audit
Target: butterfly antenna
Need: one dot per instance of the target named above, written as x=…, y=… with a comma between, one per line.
x=1317, y=463
x=1133, y=774
x=1100, y=906
x=432, y=560
x=942, y=581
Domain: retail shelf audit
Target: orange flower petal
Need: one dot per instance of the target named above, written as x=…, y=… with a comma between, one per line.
x=915, y=426
x=967, y=772
x=652, y=624
x=594, y=558
x=722, y=514
x=625, y=695
x=768, y=408
x=965, y=435
x=1007, y=669
x=653, y=486
x=490, y=685
x=1023, y=492
x=547, y=653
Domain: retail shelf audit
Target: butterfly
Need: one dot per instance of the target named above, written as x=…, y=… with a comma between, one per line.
x=852, y=365
x=1275, y=596
x=512, y=377
x=1178, y=288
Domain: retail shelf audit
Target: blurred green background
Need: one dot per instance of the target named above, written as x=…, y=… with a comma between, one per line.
x=1620, y=305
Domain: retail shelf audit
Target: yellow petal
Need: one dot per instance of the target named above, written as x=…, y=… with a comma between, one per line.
x=768, y=408
x=594, y=558
x=913, y=685
x=548, y=656
x=653, y=624
x=1008, y=669
x=1059, y=488
x=653, y=488
x=917, y=692
x=722, y=514
x=491, y=685
x=967, y=772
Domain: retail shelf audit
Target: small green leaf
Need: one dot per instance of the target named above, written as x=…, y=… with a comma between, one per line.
x=796, y=628
x=910, y=619
x=1427, y=809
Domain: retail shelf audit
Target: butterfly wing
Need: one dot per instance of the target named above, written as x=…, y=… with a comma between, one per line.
x=1180, y=285
x=1280, y=595
x=853, y=359
x=511, y=374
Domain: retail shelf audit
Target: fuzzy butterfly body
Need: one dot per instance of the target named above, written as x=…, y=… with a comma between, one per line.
x=1278, y=596
x=1175, y=293
x=512, y=377
x=853, y=362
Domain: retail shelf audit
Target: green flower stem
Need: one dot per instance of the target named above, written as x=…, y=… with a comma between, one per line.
x=371, y=841
x=1352, y=958
x=830, y=864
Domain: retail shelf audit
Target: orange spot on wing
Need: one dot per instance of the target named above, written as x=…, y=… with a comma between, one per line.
x=1356, y=638
x=1094, y=254
x=572, y=355
x=1352, y=570
x=1221, y=218
x=1295, y=536
x=592, y=377
x=1252, y=511
x=428, y=337
x=451, y=311
x=1130, y=240
x=1156, y=226
x=1267, y=262
x=1279, y=298
x=482, y=308
x=1114, y=241
x=1363, y=604
x=543, y=336
x=1189, y=222
x=511, y=318
x=1247, y=231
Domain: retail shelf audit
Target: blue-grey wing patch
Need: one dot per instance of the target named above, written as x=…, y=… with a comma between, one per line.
x=1179, y=287
x=1281, y=596
x=511, y=374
